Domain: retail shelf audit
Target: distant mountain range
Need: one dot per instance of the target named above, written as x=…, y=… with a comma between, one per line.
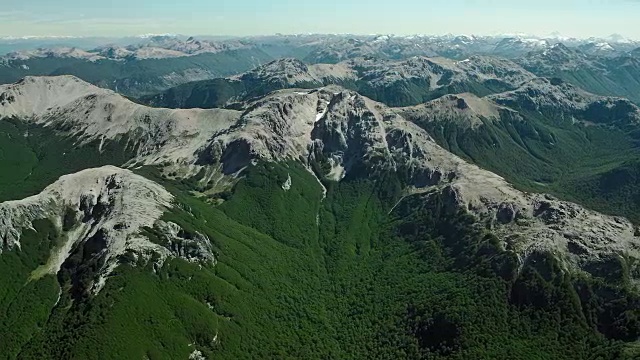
x=396, y=83
x=153, y=64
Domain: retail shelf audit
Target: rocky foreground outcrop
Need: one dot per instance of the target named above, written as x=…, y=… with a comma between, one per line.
x=102, y=211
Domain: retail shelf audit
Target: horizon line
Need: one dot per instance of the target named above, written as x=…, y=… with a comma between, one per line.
x=553, y=35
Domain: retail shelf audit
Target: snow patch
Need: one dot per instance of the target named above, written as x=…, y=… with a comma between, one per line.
x=320, y=115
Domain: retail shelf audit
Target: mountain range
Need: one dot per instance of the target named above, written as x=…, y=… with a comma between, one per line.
x=396, y=83
x=156, y=63
x=321, y=196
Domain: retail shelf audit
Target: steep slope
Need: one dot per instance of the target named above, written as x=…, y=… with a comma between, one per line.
x=340, y=132
x=307, y=224
x=83, y=226
x=513, y=47
x=136, y=76
x=89, y=113
x=419, y=79
x=598, y=49
x=104, y=207
x=394, y=83
x=564, y=100
x=546, y=136
x=613, y=76
x=276, y=75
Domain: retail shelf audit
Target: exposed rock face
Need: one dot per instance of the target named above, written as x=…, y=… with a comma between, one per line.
x=604, y=69
x=194, y=247
x=531, y=223
x=91, y=113
x=440, y=72
x=565, y=101
x=545, y=94
x=289, y=73
x=350, y=134
x=516, y=46
x=396, y=83
x=108, y=203
x=466, y=110
x=102, y=213
x=557, y=57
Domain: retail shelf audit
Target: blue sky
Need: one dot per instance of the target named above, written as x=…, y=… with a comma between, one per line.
x=248, y=17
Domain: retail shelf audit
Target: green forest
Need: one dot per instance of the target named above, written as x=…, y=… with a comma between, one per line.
x=302, y=276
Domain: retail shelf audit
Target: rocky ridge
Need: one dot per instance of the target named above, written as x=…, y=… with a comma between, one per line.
x=396, y=83
x=91, y=113
x=558, y=57
x=321, y=48
x=106, y=207
x=466, y=110
x=565, y=101
x=102, y=212
x=157, y=47
x=352, y=135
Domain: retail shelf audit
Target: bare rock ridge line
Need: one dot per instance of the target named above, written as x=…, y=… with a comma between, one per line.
x=339, y=47
x=341, y=128
x=107, y=208
x=426, y=77
x=158, y=48
x=92, y=113
x=107, y=205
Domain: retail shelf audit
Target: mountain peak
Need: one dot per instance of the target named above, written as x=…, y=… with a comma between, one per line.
x=38, y=94
x=128, y=203
x=465, y=109
x=285, y=64
x=282, y=73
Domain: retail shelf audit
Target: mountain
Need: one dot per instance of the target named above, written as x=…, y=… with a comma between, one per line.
x=598, y=49
x=419, y=79
x=137, y=77
x=612, y=76
x=106, y=207
x=546, y=136
x=155, y=47
x=534, y=114
x=276, y=75
x=517, y=46
x=145, y=66
x=457, y=47
x=314, y=48
x=314, y=224
x=395, y=83
x=557, y=57
x=384, y=47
